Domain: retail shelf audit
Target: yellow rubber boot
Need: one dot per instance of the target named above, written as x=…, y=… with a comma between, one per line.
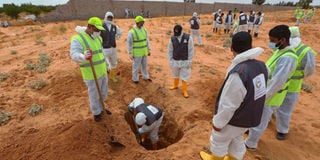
x=175, y=83
x=184, y=89
x=229, y=158
x=113, y=75
x=207, y=156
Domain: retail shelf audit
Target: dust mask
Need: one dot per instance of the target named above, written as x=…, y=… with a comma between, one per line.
x=95, y=34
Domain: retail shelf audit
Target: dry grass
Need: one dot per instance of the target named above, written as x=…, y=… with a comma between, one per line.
x=35, y=109
x=3, y=76
x=37, y=84
x=4, y=117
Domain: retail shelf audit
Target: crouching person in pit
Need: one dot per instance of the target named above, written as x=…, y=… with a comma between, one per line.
x=148, y=119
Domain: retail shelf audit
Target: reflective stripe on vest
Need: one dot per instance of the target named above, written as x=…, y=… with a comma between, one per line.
x=98, y=59
x=140, y=44
x=277, y=99
x=297, y=78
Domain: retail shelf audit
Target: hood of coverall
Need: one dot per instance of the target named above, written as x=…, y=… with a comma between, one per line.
x=295, y=39
x=141, y=119
x=136, y=102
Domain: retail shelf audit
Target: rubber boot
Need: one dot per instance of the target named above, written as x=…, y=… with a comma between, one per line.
x=175, y=84
x=184, y=89
x=113, y=75
x=219, y=31
x=229, y=158
x=207, y=156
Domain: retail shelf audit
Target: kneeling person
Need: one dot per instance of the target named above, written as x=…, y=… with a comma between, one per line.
x=148, y=118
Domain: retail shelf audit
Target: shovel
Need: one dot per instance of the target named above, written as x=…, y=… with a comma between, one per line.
x=112, y=141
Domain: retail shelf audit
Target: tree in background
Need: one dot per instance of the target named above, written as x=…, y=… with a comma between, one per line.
x=305, y=4
x=11, y=10
x=258, y=2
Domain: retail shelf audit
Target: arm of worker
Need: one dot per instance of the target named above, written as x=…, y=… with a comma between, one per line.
x=170, y=51
x=119, y=33
x=148, y=42
x=284, y=67
x=76, y=51
x=231, y=98
x=130, y=45
x=190, y=49
x=309, y=63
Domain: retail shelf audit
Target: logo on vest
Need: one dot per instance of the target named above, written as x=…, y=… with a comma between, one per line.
x=259, y=86
x=185, y=41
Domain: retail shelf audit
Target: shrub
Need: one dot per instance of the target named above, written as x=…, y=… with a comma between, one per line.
x=37, y=84
x=4, y=117
x=35, y=109
x=3, y=76
x=13, y=52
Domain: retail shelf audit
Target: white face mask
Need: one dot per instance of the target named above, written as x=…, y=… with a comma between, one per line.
x=108, y=22
x=95, y=34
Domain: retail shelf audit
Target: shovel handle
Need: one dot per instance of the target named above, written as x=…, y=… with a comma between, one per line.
x=97, y=84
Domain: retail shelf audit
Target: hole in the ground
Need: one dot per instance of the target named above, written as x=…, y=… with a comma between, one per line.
x=169, y=132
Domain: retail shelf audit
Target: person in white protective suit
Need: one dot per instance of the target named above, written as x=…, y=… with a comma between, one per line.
x=180, y=54
x=195, y=27
x=228, y=22
x=243, y=22
x=109, y=37
x=240, y=102
x=257, y=23
x=85, y=47
x=281, y=65
x=138, y=46
x=148, y=118
x=306, y=67
x=215, y=16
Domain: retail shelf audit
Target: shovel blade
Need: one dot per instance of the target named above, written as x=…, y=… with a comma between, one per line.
x=115, y=143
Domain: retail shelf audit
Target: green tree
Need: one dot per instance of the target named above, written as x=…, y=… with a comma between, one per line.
x=258, y=2
x=11, y=10
x=305, y=4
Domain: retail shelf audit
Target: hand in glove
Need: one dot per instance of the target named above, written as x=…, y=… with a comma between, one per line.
x=88, y=54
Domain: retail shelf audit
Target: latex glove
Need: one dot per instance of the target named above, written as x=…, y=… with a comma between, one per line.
x=88, y=54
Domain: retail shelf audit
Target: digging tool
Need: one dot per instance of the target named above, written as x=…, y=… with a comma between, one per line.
x=112, y=141
x=138, y=135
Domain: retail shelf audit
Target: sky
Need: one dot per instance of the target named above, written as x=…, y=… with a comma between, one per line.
x=56, y=2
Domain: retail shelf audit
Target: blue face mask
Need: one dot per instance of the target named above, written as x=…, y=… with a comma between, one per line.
x=272, y=45
x=108, y=22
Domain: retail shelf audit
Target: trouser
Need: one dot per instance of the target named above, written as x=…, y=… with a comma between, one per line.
x=110, y=55
x=227, y=26
x=95, y=104
x=256, y=28
x=298, y=22
x=181, y=72
x=243, y=28
x=284, y=112
x=153, y=129
x=140, y=62
x=306, y=20
x=255, y=133
x=250, y=25
x=228, y=141
x=196, y=33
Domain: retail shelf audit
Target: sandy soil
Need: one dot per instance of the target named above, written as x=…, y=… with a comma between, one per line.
x=65, y=128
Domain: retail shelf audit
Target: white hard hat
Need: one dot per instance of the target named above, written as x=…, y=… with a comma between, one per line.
x=195, y=14
x=140, y=119
x=108, y=14
x=136, y=102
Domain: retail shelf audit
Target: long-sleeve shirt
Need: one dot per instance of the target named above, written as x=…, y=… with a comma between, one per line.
x=284, y=67
x=76, y=51
x=233, y=92
x=130, y=40
x=181, y=63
